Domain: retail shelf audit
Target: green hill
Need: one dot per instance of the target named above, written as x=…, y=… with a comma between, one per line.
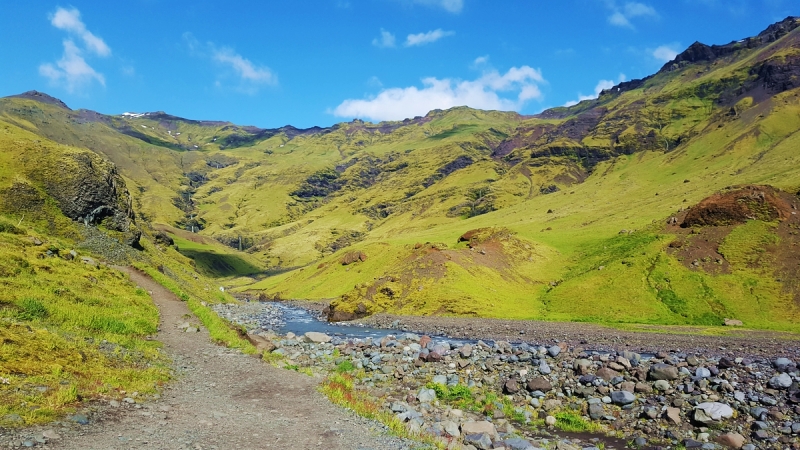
x=581, y=213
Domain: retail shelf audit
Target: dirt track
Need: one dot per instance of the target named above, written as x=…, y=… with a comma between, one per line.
x=222, y=399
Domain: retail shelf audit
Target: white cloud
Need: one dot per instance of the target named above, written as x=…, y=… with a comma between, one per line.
x=70, y=20
x=619, y=19
x=490, y=91
x=621, y=16
x=386, y=40
x=480, y=61
x=426, y=38
x=250, y=76
x=634, y=9
x=453, y=6
x=600, y=87
x=71, y=70
x=665, y=53
x=243, y=67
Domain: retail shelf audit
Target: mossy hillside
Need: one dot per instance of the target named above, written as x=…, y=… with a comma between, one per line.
x=565, y=181
x=70, y=332
x=601, y=206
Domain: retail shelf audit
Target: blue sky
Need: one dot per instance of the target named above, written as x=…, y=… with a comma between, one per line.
x=306, y=63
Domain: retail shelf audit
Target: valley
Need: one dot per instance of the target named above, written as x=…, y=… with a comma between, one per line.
x=660, y=217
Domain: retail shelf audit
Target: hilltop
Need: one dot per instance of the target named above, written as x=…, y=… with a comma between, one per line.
x=604, y=211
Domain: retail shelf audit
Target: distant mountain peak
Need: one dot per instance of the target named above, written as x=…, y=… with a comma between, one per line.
x=41, y=97
x=699, y=52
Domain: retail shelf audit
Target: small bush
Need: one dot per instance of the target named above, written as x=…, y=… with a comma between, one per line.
x=345, y=366
x=32, y=309
x=7, y=227
x=571, y=422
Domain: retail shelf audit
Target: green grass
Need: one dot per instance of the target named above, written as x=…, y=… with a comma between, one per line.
x=216, y=260
x=340, y=390
x=570, y=233
x=70, y=332
x=571, y=421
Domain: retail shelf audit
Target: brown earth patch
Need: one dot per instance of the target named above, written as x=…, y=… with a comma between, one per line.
x=701, y=230
x=738, y=206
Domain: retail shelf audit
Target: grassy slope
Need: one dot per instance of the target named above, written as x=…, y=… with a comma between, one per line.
x=70, y=331
x=392, y=198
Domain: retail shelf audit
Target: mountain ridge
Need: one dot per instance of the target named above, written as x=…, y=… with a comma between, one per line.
x=567, y=208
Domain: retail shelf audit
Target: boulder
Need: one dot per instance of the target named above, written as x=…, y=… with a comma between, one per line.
x=539, y=384
x=606, y=374
x=544, y=369
x=596, y=411
x=353, y=257
x=511, y=387
x=261, y=343
x=782, y=381
x=783, y=364
x=478, y=427
x=317, y=337
x=673, y=415
x=426, y=395
x=663, y=372
x=518, y=444
x=451, y=428
x=581, y=366
x=708, y=412
x=480, y=441
x=622, y=398
x=732, y=440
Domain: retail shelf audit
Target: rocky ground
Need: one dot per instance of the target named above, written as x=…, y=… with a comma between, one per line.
x=222, y=399
x=643, y=389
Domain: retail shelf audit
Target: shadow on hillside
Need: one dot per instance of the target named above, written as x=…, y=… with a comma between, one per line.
x=218, y=265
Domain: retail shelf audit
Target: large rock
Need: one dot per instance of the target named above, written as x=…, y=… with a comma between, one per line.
x=708, y=412
x=518, y=444
x=622, y=397
x=596, y=411
x=663, y=372
x=539, y=384
x=673, y=415
x=544, y=369
x=606, y=374
x=261, y=343
x=732, y=440
x=426, y=395
x=317, y=337
x=581, y=366
x=783, y=364
x=451, y=428
x=480, y=441
x=88, y=188
x=782, y=381
x=511, y=386
x=353, y=257
x=478, y=427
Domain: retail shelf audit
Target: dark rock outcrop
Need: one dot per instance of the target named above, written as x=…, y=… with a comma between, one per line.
x=89, y=189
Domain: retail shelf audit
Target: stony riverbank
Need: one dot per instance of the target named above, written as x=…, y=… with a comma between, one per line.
x=519, y=396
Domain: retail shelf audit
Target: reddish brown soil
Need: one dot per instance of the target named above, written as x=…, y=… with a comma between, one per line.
x=701, y=230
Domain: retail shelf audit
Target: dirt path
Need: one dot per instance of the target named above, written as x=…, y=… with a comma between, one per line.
x=223, y=399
